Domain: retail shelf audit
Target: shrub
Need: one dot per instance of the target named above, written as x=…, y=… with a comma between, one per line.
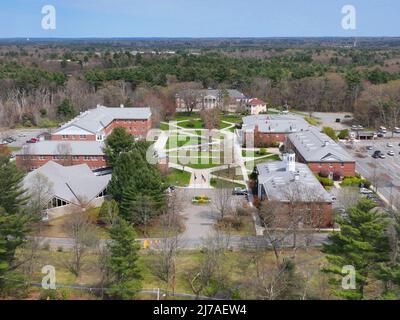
x=337, y=175
x=343, y=134
x=326, y=182
x=263, y=152
x=324, y=173
x=330, y=132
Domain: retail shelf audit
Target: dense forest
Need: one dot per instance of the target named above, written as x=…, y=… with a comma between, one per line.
x=42, y=84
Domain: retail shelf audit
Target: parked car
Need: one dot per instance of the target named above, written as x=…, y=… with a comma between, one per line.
x=389, y=145
x=369, y=147
x=32, y=140
x=382, y=156
x=21, y=134
x=390, y=153
x=381, y=135
x=396, y=130
x=382, y=129
x=237, y=191
x=366, y=191
x=376, y=154
x=347, y=116
x=338, y=120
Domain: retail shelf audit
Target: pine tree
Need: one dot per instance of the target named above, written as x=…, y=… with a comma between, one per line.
x=14, y=221
x=118, y=141
x=362, y=243
x=122, y=262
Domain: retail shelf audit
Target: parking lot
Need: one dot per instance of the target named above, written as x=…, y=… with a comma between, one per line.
x=384, y=173
x=20, y=136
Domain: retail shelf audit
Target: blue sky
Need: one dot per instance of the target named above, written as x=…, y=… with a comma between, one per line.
x=198, y=18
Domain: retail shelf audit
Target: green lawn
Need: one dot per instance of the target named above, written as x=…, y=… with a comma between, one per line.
x=164, y=126
x=252, y=153
x=175, y=142
x=274, y=157
x=230, y=173
x=178, y=178
x=233, y=118
x=219, y=183
x=191, y=124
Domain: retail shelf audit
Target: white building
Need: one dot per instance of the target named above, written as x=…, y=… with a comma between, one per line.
x=256, y=106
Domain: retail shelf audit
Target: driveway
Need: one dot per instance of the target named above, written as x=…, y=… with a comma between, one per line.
x=199, y=219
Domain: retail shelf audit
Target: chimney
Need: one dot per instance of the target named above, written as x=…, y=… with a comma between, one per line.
x=121, y=105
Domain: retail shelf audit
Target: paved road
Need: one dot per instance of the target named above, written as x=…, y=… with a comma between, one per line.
x=233, y=242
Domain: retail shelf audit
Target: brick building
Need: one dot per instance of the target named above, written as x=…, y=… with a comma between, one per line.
x=294, y=194
x=265, y=129
x=96, y=124
x=321, y=153
x=67, y=153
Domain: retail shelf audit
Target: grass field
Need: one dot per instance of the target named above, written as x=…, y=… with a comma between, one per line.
x=239, y=269
x=178, y=178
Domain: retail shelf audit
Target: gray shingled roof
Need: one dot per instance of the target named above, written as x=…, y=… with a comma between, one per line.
x=315, y=146
x=72, y=184
x=53, y=147
x=96, y=119
x=280, y=184
x=275, y=123
x=233, y=93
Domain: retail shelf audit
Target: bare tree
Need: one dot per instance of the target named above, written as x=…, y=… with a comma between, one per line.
x=348, y=197
x=222, y=201
x=41, y=191
x=210, y=267
x=164, y=266
x=81, y=229
x=64, y=151
x=191, y=98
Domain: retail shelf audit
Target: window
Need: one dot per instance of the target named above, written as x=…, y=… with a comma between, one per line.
x=75, y=157
x=42, y=157
x=93, y=158
x=65, y=136
x=330, y=165
x=342, y=164
x=86, y=158
x=83, y=136
x=99, y=137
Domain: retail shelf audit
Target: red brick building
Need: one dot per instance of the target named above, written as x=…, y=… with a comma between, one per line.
x=294, y=194
x=96, y=124
x=322, y=155
x=264, y=130
x=67, y=153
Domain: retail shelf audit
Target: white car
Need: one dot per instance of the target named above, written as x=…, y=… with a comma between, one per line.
x=389, y=145
x=396, y=130
x=366, y=191
x=382, y=156
x=390, y=153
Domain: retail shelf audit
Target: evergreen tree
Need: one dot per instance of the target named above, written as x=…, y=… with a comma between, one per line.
x=132, y=174
x=124, y=273
x=14, y=221
x=362, y=243
x=66, y=110
x=118, y=141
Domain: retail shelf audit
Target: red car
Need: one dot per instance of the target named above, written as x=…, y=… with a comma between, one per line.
x=32, y=140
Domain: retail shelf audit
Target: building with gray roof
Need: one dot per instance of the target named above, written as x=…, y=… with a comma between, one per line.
x=280, y=123
x=96, y=124
x=66, y=187
x=294, y=194
x=277, y=178
x=315, y=146
x=210, y=98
